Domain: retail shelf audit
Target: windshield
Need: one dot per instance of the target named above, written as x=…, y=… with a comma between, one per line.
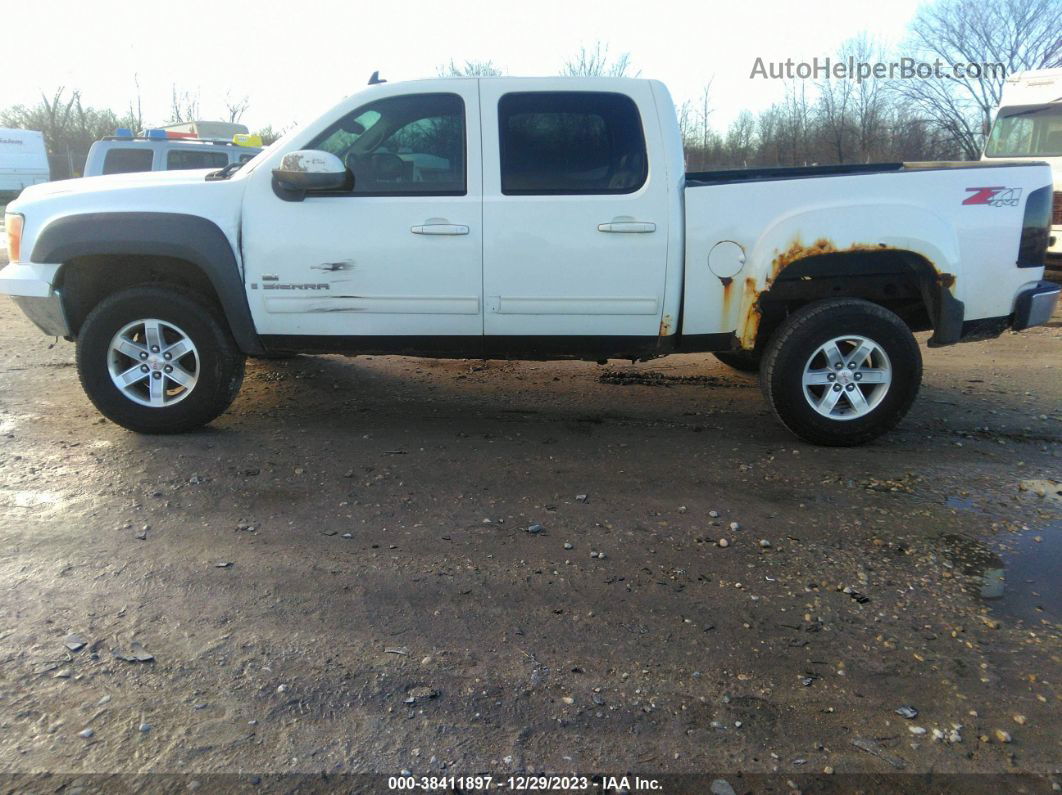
x=1027, y=131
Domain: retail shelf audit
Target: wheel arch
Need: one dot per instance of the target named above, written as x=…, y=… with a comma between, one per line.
x=856, y=251
x=101, y=252
x=901, y=280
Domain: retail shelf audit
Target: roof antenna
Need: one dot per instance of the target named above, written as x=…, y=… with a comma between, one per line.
x=376, y=79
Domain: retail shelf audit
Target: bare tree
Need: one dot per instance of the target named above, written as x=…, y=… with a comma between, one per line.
x=695, y=125
x=184, y=106
x=52, y=117
x=767, y=126
x=134, y=120
x=685, y=119
x=706, y=112
x=740, y=139
x=58, y=113
x=835, y=106
x=470, y=69
x=794, y=124
x=596, y=63
x=68, y=126
x=1018, y=34
x=235, y=108
x=870, y=101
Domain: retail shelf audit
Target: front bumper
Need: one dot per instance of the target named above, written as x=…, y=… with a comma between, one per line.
x=30, y=287
x=47, y=314
x=1035, y=306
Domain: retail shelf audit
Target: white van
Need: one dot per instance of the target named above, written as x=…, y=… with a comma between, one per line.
x=23, y=161
x=1029, y=127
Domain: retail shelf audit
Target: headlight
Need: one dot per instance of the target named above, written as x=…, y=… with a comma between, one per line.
x=13, y=225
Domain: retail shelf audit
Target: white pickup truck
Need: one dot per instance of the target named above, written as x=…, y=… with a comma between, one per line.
x=531, y=218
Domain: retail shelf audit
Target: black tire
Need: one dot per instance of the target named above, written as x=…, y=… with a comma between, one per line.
x=743, y=361
x=803, y=333
x=220, y=362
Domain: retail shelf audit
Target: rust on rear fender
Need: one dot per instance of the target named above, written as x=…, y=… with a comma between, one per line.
x=751, y=313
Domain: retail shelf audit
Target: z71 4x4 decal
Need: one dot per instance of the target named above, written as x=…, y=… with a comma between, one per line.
x=994, y=197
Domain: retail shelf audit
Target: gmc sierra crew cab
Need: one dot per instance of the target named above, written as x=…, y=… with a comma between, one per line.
x=530, y=218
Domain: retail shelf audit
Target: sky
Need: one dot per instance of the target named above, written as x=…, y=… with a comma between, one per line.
x=295, y=60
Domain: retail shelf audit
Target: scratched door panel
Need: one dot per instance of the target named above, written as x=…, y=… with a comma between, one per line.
x=363, y=265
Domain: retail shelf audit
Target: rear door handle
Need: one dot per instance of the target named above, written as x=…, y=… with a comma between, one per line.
x=439, y=229
x=628, y=227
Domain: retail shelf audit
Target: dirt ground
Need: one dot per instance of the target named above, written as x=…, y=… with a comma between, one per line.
x=338, y=575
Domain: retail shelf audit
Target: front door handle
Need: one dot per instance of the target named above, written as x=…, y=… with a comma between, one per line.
x=628, y=227
x=439, y=229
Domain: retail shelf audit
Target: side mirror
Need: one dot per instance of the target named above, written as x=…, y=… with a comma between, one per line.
x=310, y=170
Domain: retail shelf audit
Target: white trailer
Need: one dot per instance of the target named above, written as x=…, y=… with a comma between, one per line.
x=1028, y=127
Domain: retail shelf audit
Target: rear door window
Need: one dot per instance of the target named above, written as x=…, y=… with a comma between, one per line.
x=570, y=142
x=126, y=161
x=188, y=159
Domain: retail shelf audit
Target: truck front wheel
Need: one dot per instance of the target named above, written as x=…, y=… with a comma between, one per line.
x=155, y=359
x=841, y=372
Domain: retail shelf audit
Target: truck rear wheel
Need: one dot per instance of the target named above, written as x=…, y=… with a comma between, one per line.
x=156, y=359
x=841, y=372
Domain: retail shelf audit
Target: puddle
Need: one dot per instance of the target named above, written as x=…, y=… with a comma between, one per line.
x=1016, y=574
x=1038, y=492
x=962, y=504
x=1033, y=589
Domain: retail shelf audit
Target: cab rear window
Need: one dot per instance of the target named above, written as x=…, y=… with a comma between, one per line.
x=126, y=161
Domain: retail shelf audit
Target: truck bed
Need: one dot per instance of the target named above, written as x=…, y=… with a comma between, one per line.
x=747, y=226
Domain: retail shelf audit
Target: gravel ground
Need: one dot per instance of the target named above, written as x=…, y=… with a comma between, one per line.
x=338, y=575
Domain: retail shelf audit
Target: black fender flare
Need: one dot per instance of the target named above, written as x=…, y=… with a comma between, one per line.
x=178, y=235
